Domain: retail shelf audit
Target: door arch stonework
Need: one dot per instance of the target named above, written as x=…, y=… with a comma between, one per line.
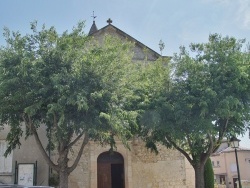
x=110, y=170
x=96, y=150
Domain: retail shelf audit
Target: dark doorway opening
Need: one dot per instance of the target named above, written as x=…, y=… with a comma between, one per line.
x=117, y=175
x=235, y=184
x=222, y=179
x=110, y=170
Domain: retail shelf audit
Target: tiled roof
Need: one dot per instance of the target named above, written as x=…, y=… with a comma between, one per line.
x=122, y=33
x=230, y=149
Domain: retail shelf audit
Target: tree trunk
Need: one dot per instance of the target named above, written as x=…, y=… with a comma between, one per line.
x=199, y=176
x=63, y=168
x=63, y=177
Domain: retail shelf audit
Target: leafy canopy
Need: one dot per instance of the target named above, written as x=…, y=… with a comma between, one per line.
x=67, y=82
x=207, y=100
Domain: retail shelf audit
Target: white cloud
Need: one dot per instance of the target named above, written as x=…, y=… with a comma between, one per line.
x=237, y=12
x=243, y=13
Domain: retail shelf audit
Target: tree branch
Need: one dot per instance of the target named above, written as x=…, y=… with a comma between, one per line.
x=76, y=139
x=206, y=155
x=180, y=150
x=190, y=146
x=221, y=134
x=54, y=120
x=84, y=143
x=211, y=145
x=218, y=142
x=43, y=152
x=38, y=141
x=189, y=142
x=27, y=123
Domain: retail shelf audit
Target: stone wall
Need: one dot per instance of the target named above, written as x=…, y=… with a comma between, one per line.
x=167, y=169
x=190, y=175
x=219, y=186
x=143, y=168
x=80, y=177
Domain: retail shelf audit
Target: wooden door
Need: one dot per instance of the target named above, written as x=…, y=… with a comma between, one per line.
x=110, y=170
x=104, y=175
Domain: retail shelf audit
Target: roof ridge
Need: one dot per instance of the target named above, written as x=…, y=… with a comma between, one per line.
x=130, y=37
x=230, y=149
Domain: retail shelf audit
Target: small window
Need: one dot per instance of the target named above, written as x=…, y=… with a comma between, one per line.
x=218, y=163
x=213, y=163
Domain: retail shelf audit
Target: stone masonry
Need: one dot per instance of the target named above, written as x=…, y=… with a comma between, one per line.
x=143, y=168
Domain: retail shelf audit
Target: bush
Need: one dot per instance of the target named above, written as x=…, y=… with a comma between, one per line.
x=209, y=174
x=54, y=179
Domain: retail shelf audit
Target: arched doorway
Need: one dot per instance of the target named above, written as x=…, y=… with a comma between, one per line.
x=110, y=170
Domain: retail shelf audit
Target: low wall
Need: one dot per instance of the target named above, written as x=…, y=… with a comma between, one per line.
x=244, y=184
x=219, y=186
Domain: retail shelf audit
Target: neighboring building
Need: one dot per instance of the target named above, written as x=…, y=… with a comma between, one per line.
x=23, y=163
x=224, y=165
x=134, y=168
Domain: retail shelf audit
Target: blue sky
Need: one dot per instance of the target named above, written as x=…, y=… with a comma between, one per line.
x=175, y=22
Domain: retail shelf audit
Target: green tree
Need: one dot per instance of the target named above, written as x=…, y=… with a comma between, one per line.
x=209, y=174
x=207, y=100
x=68, y=83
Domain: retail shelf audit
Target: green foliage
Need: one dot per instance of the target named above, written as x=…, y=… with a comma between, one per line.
x=54, y=179
x=209, y=174
x=68, y=82
x=206, y=99
x=72, y=84
x=209, y=95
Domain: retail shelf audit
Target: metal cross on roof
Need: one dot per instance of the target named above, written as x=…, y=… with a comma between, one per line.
x=109, y=21
x=93, y=16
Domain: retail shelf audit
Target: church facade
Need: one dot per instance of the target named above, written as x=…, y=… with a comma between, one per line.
x=134, y=168
x=98, y=168
x=137, y=167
